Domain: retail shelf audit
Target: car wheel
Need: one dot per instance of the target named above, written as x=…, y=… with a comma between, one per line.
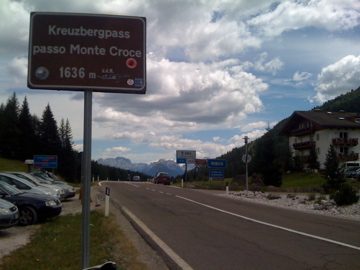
x=27, y=216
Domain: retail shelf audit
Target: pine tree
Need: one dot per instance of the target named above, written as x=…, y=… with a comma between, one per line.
x=68, y=158
x=332, y=174
x=49, y=133
x=9, y=129
x=266, y=161
x=27, y=135
x=313, y=162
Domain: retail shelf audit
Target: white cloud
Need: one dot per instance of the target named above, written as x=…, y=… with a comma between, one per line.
x=338, y=78
x=184, y=95
x=116, y=150
x=203, y=149
x=301, y=76
x=294, y=15
x=272, y=66
x=14, y=27
x=252, y=126
x=298, y=79
x=239, y=139
x=18, y=69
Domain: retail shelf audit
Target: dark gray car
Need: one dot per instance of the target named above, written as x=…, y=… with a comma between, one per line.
x=9, y=214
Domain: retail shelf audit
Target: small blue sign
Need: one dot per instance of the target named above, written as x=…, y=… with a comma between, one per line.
x=216, y=173
x=216, y=163
x=46, y=162
x=181, y=160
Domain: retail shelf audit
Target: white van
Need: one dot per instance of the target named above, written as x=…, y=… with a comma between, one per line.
x=136, y=178
x=349, y=164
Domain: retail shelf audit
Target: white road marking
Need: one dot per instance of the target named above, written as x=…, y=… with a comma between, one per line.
x=176, y=258
x=273, y=225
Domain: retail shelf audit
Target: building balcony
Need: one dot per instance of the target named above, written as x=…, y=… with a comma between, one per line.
x=303, y=145
x=348, y=157
x=302, y=131
x=345, y=142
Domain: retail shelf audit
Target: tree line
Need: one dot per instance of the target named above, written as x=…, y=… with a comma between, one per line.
x=23, y=135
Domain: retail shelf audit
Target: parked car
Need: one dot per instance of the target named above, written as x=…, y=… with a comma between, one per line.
x=69, y=190
x=32, y=207
x=162, y=178
x=351, y=171
x=357, y=174
x=25, y=185
x=9, y=214
x=58, y=191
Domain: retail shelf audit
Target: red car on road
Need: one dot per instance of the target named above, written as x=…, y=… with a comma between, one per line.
x=162, y=178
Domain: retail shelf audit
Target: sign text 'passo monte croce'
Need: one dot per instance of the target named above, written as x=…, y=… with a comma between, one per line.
x=86, y=51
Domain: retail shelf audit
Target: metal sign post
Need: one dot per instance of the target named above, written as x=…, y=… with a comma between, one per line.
x=86, y=181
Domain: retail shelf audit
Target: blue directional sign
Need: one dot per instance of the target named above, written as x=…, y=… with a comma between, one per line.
x=216, y=163
x=181, y=160
x=216, y=173
x=46, y=162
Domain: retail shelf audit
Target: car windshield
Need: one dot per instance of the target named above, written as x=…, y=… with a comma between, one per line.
x=42, y=176
x=13, y=191
x=28, y=183
x=28, y=177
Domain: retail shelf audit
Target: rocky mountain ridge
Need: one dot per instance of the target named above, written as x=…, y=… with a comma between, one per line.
x=162, y=165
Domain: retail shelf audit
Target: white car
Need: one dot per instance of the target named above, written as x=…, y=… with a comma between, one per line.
x=60, y=193
x=25, y=185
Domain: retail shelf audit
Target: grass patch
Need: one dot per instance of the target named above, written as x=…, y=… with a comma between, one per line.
x=302, y=180
x=10, y=165
x=58, y=245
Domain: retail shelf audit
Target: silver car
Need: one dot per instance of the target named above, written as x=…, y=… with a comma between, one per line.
x=69, y=190
x=9, y=214
x=25, y=185
x=60, y=194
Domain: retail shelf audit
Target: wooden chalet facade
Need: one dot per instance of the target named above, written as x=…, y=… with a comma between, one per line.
x=341, y=129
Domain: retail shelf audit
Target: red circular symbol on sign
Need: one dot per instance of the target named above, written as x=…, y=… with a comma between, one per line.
x=131, y=63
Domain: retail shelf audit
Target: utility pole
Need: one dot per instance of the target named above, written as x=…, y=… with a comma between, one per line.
x=246, y=163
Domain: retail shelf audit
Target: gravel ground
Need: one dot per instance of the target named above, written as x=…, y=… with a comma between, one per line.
x=299, y=202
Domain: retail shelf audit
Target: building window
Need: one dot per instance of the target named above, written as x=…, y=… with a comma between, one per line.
x=344, y=135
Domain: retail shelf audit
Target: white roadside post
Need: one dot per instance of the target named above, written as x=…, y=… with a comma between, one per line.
x=107, y=200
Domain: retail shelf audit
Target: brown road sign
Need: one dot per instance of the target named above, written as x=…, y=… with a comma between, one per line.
x=104, y=53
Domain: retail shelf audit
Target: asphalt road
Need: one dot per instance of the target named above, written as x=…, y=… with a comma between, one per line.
x=200, y=230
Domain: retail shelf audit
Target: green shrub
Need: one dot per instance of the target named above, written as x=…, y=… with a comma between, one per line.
x=346, y=195
x=311, y=197
x=320, y=198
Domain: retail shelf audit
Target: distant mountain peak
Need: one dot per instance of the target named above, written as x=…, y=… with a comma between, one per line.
x=162, y=165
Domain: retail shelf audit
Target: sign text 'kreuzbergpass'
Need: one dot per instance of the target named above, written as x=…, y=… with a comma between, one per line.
x=74, y=49
x=85, y=51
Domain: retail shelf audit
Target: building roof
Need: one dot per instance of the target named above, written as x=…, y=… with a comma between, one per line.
x=322, y=120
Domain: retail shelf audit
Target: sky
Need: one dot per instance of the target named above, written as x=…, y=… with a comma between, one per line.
x=217, y=71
